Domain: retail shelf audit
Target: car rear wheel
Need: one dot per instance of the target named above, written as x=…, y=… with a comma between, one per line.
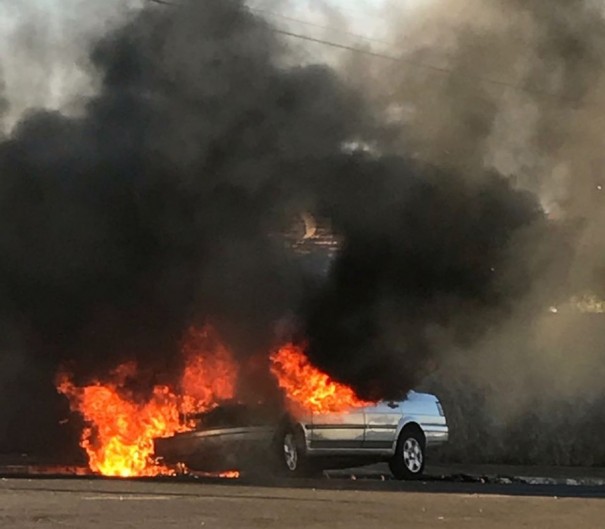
x=408, y=461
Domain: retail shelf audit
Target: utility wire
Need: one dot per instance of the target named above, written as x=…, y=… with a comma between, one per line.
x=275, y=14
x=356, y=36
x=389, y=57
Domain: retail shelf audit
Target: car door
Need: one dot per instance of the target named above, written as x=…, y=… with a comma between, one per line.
x=382, y=421
x=338, y=431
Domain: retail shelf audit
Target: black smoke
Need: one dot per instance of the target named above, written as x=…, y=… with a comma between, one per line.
x=428, y=262
x=159, y=206
x=154, y=209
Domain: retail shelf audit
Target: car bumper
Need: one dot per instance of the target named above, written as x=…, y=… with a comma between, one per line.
x=436, y=435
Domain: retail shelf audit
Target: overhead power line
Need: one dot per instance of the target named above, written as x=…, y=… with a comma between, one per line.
x=385, y=56
x=323, y=27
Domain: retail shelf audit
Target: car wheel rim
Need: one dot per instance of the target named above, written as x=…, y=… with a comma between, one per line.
x=290, y=452
x=412, y=455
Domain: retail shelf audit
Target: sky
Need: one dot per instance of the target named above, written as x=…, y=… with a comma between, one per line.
x=44, y=42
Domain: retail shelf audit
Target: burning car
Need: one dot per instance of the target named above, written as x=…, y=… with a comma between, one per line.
x=239, y=436
x=312, y=423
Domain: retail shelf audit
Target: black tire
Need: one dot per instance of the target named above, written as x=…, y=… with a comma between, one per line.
x=409, y=458
x=291, y=452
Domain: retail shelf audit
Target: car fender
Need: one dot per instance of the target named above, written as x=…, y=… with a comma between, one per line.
x=289, y=420
x=406, y=420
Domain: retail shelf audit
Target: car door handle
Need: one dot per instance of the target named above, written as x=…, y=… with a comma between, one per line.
x=393, y=405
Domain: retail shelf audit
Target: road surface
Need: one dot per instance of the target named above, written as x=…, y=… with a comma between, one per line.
x=317, y=504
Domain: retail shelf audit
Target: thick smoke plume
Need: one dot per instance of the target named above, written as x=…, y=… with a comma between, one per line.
x=162, y=203
x=516, y=87
x=154, y=208
x=429, y=260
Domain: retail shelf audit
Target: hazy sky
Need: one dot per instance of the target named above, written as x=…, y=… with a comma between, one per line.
x=44, y=42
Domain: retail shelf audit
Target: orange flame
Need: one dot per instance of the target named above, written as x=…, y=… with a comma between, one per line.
x=307, y=389
x=118, y=438
x=210, y=372
x=230, y=474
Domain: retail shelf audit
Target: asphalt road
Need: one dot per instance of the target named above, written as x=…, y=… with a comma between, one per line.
x=318, y=504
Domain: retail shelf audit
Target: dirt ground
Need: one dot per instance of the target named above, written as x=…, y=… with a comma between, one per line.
x=82, y=504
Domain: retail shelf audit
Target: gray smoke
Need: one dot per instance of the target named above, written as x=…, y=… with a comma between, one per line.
x=519, y=91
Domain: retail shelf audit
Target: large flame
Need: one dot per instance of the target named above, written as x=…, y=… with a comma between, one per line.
x=307, y=388
x=118, y=438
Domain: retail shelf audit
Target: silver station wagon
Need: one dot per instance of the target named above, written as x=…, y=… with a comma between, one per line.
x=257, y=439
